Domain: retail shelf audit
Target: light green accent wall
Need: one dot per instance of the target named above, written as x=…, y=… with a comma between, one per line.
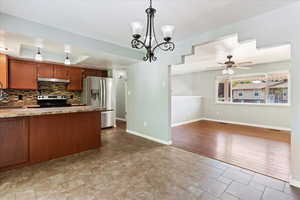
x=148, y=100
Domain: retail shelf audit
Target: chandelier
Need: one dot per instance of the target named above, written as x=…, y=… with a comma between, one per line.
x=149, y=41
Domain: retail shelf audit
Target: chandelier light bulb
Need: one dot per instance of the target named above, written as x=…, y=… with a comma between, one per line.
x=38, y=55
x=137, y=29
x=168, y=31
x=225, y=72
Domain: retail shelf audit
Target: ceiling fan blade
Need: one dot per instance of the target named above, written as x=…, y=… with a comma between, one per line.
x=244, y=63
x=237, y=67
x=220, y=63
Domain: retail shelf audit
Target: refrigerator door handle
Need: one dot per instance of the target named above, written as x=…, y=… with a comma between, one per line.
x=100, y=93
x=105, y=93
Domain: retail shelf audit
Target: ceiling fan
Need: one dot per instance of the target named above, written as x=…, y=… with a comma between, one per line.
x=230, y=64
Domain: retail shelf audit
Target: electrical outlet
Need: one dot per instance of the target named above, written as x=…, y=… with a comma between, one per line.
x=145, y=124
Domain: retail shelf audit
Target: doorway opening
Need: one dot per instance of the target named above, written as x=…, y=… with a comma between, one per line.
x=121, y=99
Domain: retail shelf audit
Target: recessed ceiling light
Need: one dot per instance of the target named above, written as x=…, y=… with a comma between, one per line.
x=38, y=55
x=67, y=60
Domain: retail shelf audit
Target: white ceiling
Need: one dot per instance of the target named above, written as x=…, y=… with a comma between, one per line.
x=25, y=47
x=207, y=56
x=109, y=19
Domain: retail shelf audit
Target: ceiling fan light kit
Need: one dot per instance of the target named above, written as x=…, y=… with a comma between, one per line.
x=230, y=64
x=149, y=41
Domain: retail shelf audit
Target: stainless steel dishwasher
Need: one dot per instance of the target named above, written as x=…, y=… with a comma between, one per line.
x=107, y=119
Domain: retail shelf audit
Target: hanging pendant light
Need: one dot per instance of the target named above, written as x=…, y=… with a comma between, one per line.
x=67, y=59
x=38, y=55
x=149, y=41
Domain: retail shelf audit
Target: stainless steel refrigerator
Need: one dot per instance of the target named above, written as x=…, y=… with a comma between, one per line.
x=99, y=92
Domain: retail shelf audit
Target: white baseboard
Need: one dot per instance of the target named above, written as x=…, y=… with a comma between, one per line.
x=248, y=124
x=121, y=119
x=149, y=137
x=186, y=122
x=294, y=183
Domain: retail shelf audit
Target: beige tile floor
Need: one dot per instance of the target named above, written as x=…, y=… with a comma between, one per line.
x=131, y=168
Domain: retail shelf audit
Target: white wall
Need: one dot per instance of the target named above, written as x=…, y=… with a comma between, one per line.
x=148, y=101
x=204, y=84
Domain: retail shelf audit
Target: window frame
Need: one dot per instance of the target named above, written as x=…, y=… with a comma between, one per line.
x=236, y=77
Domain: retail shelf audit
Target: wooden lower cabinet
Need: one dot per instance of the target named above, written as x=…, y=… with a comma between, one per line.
x=53, y=136
x=28, y=140
x=13, y=141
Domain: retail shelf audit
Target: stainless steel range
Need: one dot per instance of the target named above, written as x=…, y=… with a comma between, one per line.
x=53, y=101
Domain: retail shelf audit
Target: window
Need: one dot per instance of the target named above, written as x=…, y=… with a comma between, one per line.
x=271, y=88
x=224, y=91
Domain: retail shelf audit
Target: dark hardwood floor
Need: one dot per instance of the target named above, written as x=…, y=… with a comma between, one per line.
x=261, y=150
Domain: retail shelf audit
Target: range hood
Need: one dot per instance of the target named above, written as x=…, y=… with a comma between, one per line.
x=54, y=80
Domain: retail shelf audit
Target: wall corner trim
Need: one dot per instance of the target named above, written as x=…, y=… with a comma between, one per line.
x=295, y=183
x=186, y=122
x=149, y=137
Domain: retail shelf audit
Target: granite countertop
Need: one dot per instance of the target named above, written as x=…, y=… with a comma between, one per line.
x=25, y=112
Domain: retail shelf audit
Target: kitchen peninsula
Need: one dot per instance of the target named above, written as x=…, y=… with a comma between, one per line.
x=35, y=135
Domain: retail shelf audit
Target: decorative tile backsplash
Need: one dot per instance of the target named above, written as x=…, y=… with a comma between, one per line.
x=28, y=97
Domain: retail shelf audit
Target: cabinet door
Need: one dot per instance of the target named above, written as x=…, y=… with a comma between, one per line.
x=45, y=70
x=22, y=75
x=90, y=72
x=101, y=73
x=3, y=71
x=75, y=75
x=94, y=72
x=49, y=137
x=53, y=136
x=61, y=72
x=13, y=141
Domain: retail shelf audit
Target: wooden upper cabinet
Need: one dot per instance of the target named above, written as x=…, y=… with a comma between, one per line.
x=102, y=73
x=22, y=75
x=61, y=72
x=14, y=141
x=3, y=71
x=94, y=72
x=89, y=72
x=75, y=78
x=45, y=70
